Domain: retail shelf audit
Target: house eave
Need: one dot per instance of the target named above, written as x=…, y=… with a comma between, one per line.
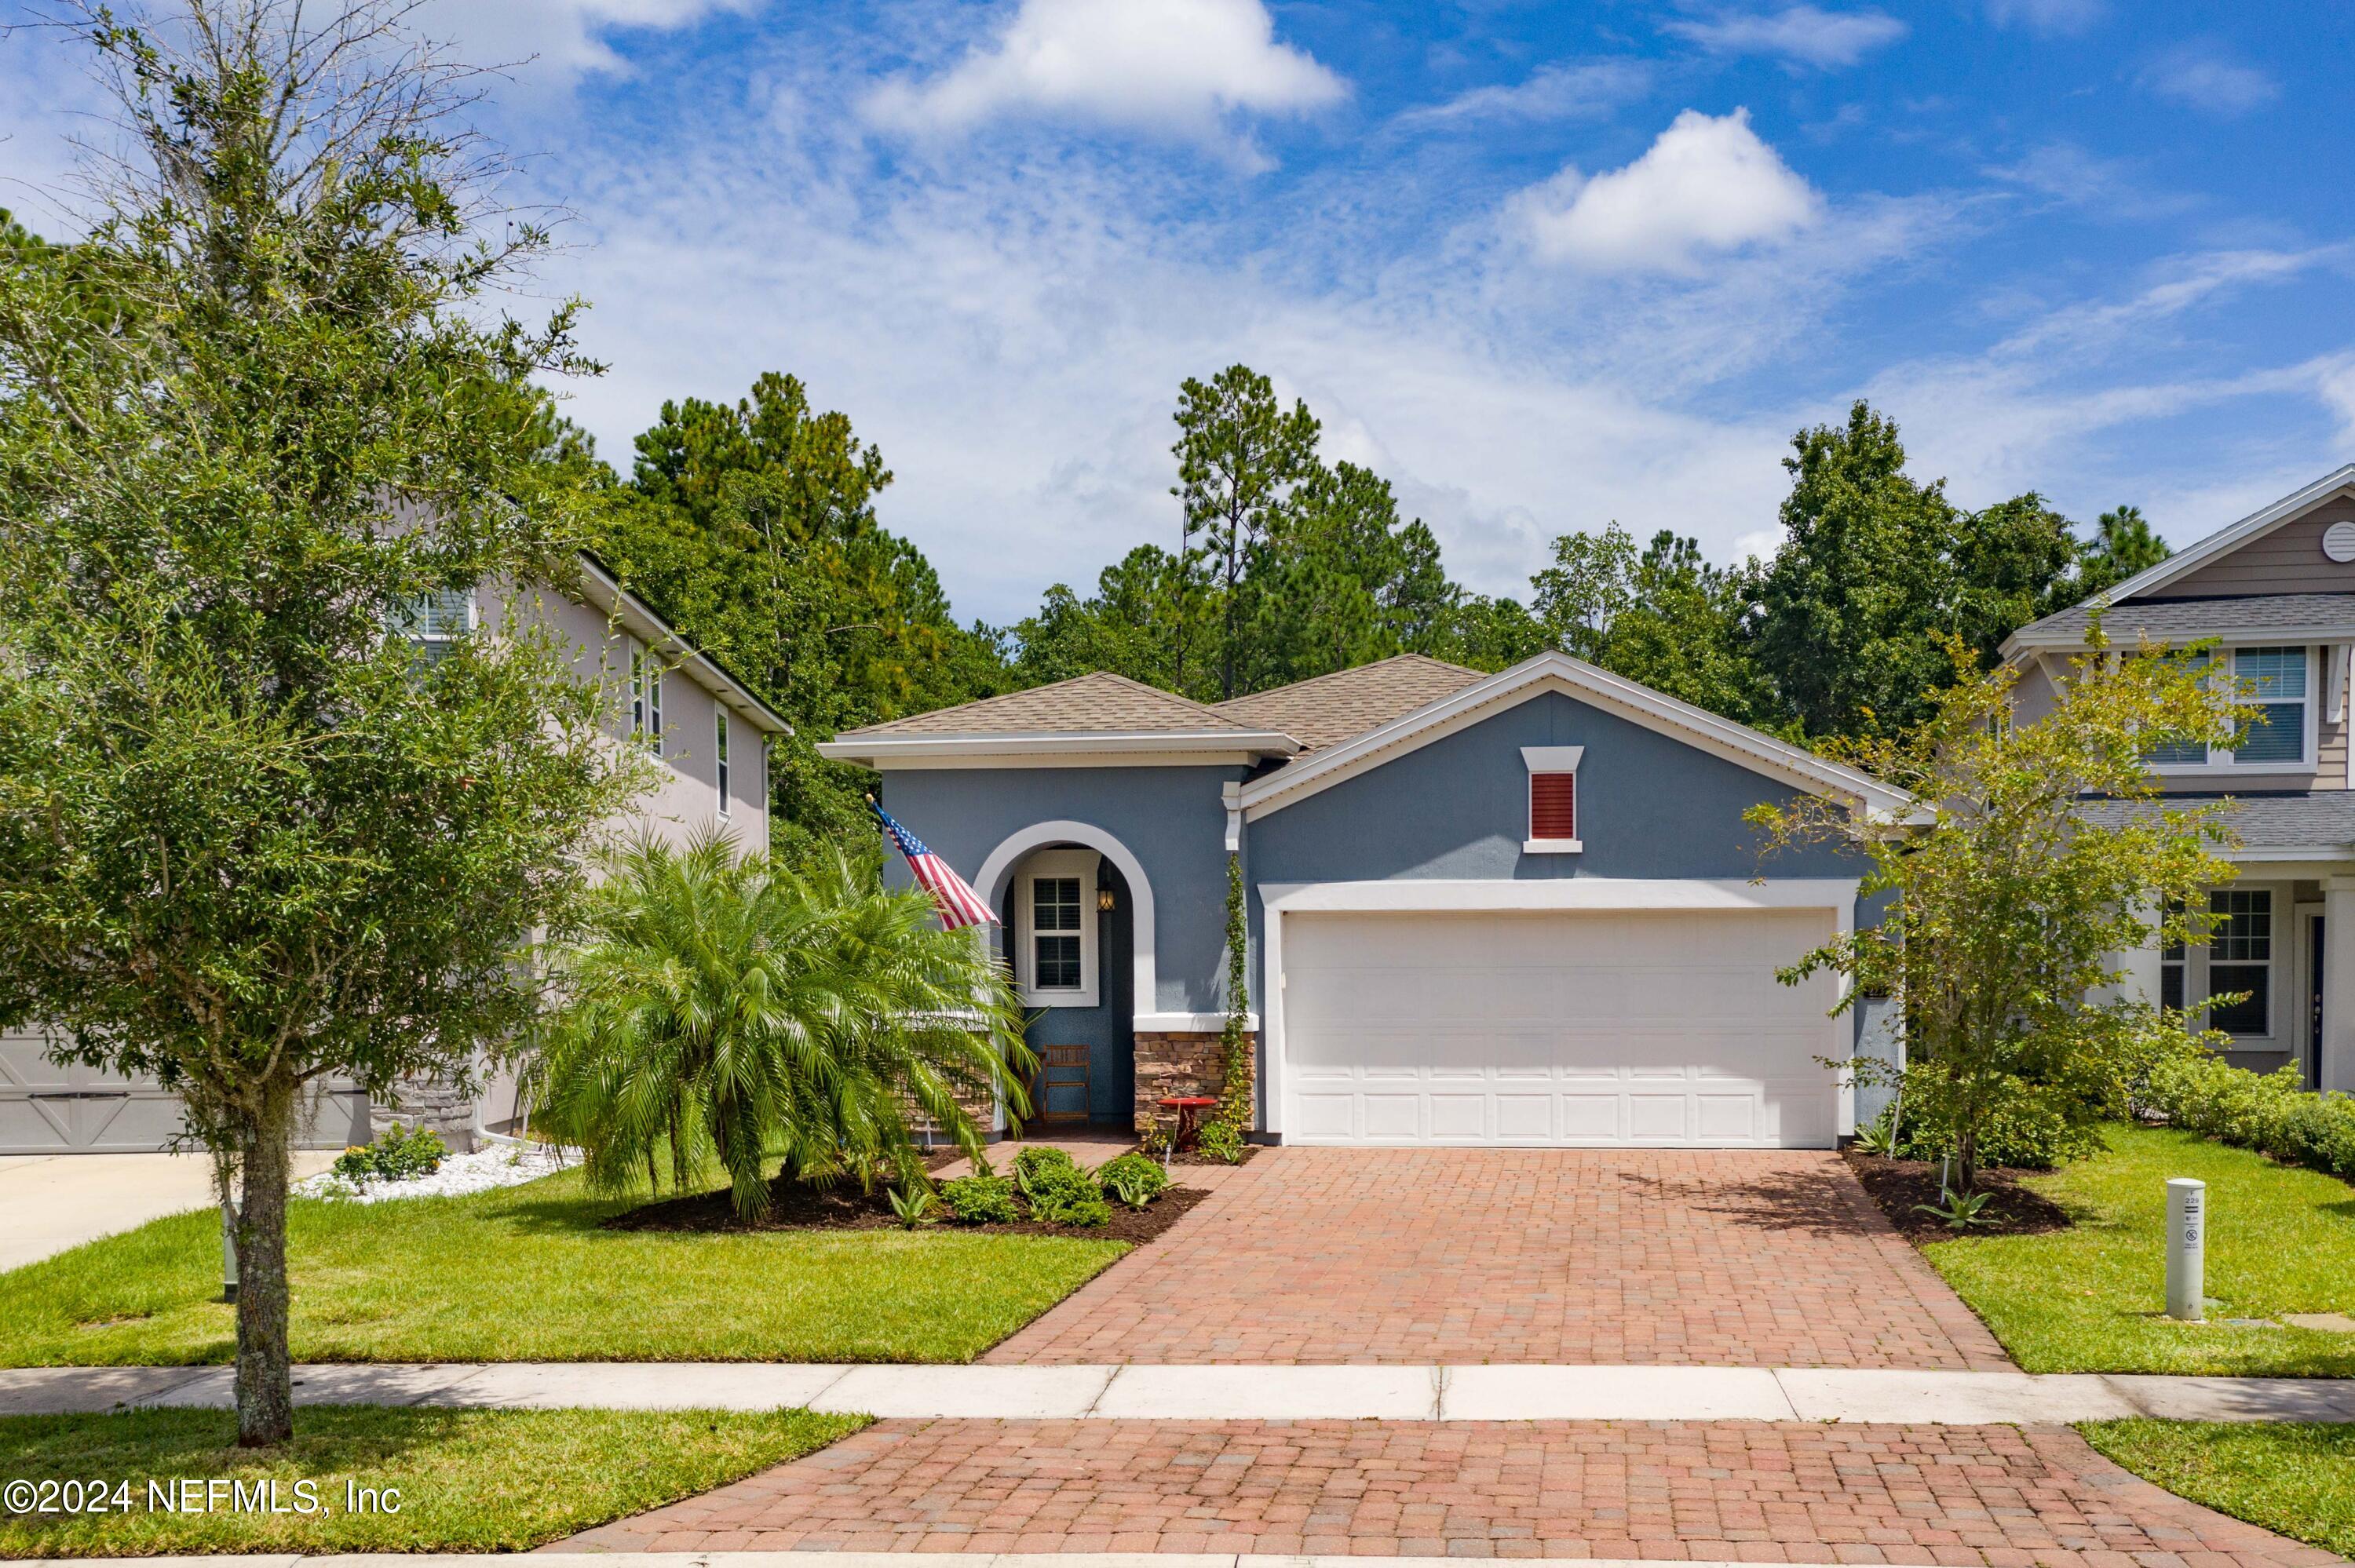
x=1059, y=748
x=634, y=616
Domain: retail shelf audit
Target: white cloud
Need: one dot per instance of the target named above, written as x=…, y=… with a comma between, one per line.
x=1707, y=185
x=1559, y=91
x=1172, y=65
x=1806, y=33
x=2201, y=78
x=2048, y=16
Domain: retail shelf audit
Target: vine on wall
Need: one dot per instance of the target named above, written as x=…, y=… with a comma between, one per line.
x=1234, y=1039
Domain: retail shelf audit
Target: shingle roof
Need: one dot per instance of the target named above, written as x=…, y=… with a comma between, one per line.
x=2321, y=819
x=1328, y=709
x=1101, y=703
x=2187, y=620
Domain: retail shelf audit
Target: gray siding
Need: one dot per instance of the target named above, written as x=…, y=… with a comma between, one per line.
x=1171, y=818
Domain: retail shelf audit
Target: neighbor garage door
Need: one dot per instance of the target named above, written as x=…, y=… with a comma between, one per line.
x=1654, y=1029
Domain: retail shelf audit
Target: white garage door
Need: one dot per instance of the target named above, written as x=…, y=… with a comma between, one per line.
x=1654, y=1029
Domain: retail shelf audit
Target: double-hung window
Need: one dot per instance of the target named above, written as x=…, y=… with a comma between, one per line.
x=2278, y=703
x=2172, y=958
x=646, y=698
x=1056, y=913
x=719, y=754
x=438, y=622
x=2241, y=959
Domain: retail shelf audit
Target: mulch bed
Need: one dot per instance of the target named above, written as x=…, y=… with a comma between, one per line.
x=845, y=1208
x=1898, y=1184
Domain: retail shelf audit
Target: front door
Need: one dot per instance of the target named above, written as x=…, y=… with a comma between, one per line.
x=2313, y=1052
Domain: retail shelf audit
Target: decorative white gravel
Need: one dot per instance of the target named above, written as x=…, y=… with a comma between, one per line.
x=484, y=1170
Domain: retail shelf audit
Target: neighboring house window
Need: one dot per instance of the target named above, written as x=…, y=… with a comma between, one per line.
x=1552, y=826
x=646, y=698
x=2279, y=677
x=2171, y=959
x=720, y=752
x=1057, y=914
x=437, y=621
x=2279, y=706
x=2240, y=959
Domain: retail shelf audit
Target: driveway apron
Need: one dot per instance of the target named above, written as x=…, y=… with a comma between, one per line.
x=1705, y=1257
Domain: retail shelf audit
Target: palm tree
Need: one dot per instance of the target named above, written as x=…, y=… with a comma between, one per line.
x=723, y=1007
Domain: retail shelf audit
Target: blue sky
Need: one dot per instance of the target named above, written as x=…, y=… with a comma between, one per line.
x=1542, y=266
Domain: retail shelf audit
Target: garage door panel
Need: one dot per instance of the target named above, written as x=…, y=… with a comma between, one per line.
x=1655, y=1029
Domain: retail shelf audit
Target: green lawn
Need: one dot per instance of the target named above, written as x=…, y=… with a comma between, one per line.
x=469, y=1480
x=2298, y=1478
x=526, y=1274
x=2092, y=1299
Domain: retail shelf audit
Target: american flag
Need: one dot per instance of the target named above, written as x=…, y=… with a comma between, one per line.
x=960, y=904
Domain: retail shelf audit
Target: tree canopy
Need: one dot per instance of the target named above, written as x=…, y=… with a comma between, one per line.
x=270, y=811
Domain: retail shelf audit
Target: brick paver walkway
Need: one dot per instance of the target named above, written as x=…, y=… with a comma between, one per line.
x=1997, y=1495
x=1646, y=1258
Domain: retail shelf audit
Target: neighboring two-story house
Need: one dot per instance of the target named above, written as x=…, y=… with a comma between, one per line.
x=2275, y=593
x=711, y=736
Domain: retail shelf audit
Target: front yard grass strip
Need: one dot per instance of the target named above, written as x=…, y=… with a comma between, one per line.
x=529, y=1272
x=2296, y=1479
x=2093, y=1298
x=470, y=1480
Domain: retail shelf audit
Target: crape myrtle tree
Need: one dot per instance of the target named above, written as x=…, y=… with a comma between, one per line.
x=2037, y=854
x=258, y=431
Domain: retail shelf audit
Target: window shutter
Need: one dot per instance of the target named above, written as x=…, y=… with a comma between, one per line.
x=1553, y=805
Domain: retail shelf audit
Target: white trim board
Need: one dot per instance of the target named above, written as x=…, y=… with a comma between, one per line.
x=1440, y=896
x=996, y=870
x=1059, y=748
x=1553, y=671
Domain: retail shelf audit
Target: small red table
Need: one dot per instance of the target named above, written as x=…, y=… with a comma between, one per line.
x=1190, y=1109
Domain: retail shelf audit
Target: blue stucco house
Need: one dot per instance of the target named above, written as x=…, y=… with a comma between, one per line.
x=1518, y=908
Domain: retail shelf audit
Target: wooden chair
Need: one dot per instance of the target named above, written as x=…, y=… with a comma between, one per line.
x=1062, y=1084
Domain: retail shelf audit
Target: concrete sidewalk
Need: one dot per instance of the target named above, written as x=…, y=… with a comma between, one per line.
x=907, y=1559
x=1133, y=1392
x=544, y=1559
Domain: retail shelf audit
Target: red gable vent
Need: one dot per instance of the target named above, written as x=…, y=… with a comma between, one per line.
x=1553, y=805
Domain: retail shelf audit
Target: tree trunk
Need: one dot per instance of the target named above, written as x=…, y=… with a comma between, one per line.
x=265, y=1384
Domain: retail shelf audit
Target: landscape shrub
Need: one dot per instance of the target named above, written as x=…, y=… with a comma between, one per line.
x=2269, y=1112
x=1219, y=1141
x=1132, y=1179
x=397, y=1154
x=981, y=1199
x=1059, y=1191
x=2029, y=1125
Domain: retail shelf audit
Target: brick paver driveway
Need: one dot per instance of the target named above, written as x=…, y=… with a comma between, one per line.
x=1995, y=1496
x=1644, y=1257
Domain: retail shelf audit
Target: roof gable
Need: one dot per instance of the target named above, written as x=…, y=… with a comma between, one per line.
x=1550, y=671
x=2168, y=578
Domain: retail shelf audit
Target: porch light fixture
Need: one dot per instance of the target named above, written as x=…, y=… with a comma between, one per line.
x=1104, y=900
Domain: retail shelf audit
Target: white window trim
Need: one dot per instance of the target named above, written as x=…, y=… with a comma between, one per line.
x=1060, y=863
x=419, y=619
x=2220, y=763
x=719, y=759
x=1539, y=760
